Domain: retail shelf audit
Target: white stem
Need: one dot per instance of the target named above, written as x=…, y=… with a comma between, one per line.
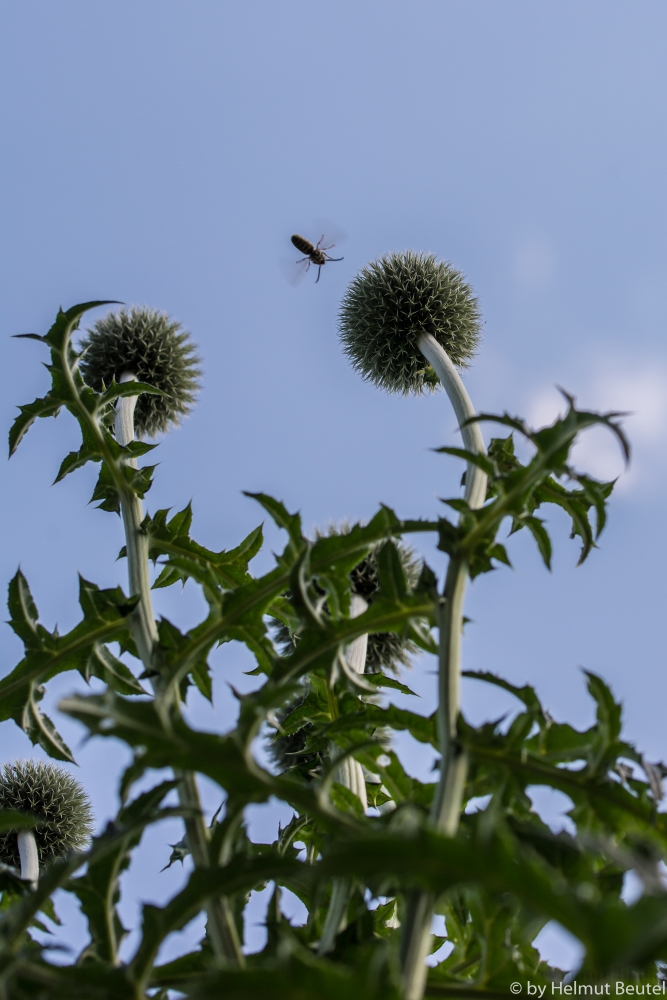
x=350, y=774
x=446, y=810
x=475, y=492
x=221, y=927
x=335, y=918
x=29, y=857
x=144, y=627
x=356, y=651
x=124, y=423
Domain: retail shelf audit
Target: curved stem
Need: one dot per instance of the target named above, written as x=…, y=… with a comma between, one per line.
x=446, y=808
x=350, y=774
x=29, y=857
x=475, y=492
x=221, y=927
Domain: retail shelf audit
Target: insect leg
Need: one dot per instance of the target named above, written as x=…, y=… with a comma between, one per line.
x=319, y=271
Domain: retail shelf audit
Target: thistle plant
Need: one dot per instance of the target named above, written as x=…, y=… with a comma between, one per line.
x=400, y=312
x=145, y=346
x=384, y=650
x=370, y=653
x=58, y=804
x=496, y=872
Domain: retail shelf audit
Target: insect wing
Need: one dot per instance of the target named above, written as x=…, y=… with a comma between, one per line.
x=329, y=233
x=294, y=271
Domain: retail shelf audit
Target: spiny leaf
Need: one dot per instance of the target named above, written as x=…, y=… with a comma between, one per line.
x=39, y=728
x=98, y=890
x=47, y=653
x=290, y=522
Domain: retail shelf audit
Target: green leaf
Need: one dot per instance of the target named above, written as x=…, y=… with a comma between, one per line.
x=616, y=937
x=224, y=759
x=291, y=523
x=474, y=458
x=15, y=920
x=383, y=680
x=422, y=728
x=23, y=613
x=298, y=976
x=391, y=577
x=103, y=664
x=12, y=819
x=39, y=728
x=241, y=875
x=98, y=890
x=526, y=694
x=57, y=339
x=47, y=406
x=186, y=559
x=541, y=536
x=121, y=390
x=105, y=614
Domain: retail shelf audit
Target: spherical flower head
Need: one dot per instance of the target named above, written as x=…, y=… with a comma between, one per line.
x=385, y=650
x=154, y=348
x=391, y=303
x=57, y=800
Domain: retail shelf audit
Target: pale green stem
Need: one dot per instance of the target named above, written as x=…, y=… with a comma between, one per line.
x=221, y=928
x=446, y=810
x=144, y=629
x=350, y=774
x=29, y=858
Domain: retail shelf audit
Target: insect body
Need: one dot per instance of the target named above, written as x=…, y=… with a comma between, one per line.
x=313, y=254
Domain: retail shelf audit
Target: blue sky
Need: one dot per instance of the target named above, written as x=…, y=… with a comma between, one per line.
x=162, y=153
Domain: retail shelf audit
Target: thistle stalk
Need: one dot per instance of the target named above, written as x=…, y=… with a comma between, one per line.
x=221, y=927
x=350, y=774
x=398, y=312
x=446, y=808
x=27, y=846
x=144, y=628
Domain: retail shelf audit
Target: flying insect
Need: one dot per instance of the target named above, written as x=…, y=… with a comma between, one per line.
x=316, y=255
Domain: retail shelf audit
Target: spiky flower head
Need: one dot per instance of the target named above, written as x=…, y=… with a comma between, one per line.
x=386, y=650
x=391, y=303
x=52, y=795
x=157, y=350
x=289, y=751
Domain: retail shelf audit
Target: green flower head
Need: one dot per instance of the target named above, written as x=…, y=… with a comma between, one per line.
x=156, y=350
x=391, y=303
x=386, y=650
x=57, y=800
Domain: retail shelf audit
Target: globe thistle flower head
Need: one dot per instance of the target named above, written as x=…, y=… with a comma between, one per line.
x=394, y=301
x=385, y=650
x=289, y=751
x=154, y=348
x=57, y=800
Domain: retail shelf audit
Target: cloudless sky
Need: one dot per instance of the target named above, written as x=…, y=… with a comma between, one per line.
x=162, y=153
